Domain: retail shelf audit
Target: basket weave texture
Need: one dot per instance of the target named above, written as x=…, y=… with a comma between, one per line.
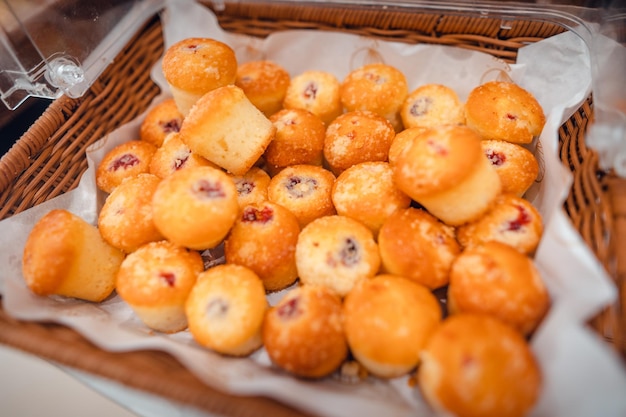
x=50, y=158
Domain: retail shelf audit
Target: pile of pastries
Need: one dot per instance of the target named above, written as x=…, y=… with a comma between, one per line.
x=359, y=198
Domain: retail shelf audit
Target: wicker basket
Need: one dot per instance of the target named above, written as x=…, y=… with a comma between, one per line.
x=49, y=160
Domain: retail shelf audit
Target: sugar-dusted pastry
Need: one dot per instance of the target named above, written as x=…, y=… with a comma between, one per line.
x=304, y=333
x=388, y=320
x=226, y=308
x=164, y=118
x=366, y=192
x=474, y=365
x=264, y=239
x=125, y=220
x=505, y=111
x=265, y=84
x=379, y=87
x=174, y=155
x=512, y=220
x=498, y=280
x=337, y=252
x=358, y=136
x=155, y=281
x=317, y=92
x=195, y=207
x=64, y=255
x=194, y=66
x=227, y=129
x=126, y=160
x=299, y=140
x=252, y=187
x=305, y=190
x=432, y=105
x=517, y=166
x=415, y=244
x=444, y=169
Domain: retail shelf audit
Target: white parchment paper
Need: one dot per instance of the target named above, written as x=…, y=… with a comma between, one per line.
x=582, y=376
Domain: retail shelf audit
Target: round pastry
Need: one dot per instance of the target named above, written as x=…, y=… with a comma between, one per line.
x=155, y=281
x=402, y=141
x=303, y=333
x=124, y=161
x=366, y=192
x=125, y=220
x=174, y=155
x=416, y=245
x=225, y=310
x=432, y=105
x=265, y=83
x=358, y=136
x=317, y=92
x=164, y=118
x=337, y=252
x=445, y=170
x=194, y=66
x=299, y=140
x=517, y=166
x=504, y=111
x=264, y=239
x=252, y=187
x=498, y=280
x=64, y=255
x=379, y=88
x=512, y=220
x=474, y=365
x=227, y=129
x=388, y=320
x=305, y=190
x=195, y=207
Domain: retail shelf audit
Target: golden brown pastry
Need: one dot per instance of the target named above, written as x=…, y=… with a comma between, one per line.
x=124, y=161
x=164, y=118
x=174, y=155
x=517, y=166
x=402, y=141
x=252, y=187
x=317, y=92
x=265, y=84
x=432, y=105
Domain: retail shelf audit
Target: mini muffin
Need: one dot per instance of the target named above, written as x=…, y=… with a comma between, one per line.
x=124, y=161
x=401, y=141
x=432, y=105
x=366, y=192
x=264, y=239
x=305, y=190
x=194, y=66
x=355, y=137
x=379, y=88
x=155, y=282
x=504, y=111
x=125, y=220
x=174, y=155
x=444, y=169
x=252, y=187
x=336, y=252
x=303, y=333
x=64, y=255
x=512, y=220
x=265, y=84
x=225, y=310
x=164, y=118
x=388, y=320
x=416, y=245
x=299, y=140
x=474, y=365
x=195, y=207
x=498, y=280
x=317, y=92
x=227, y=129
x=517, y=166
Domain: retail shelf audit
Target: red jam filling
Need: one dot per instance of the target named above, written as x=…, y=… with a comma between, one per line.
x=124, y=162
x=496, y=158
x=511, y=116
x=252, y=214
x=438, y=148
x=208, y=189
x=523, y=218
x=179, y=162
x=244, y=187
x=421, y=106
x=171, y=126
x=375, y=78
x=310, y=92
x=168, y=277
x=289, y=309
x=299, y=187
